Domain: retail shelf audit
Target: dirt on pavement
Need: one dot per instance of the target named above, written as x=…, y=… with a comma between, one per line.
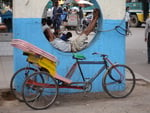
x=137, y=102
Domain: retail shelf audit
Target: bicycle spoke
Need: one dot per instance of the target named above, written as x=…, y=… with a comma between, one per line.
x=18, y=79
x=44, y=88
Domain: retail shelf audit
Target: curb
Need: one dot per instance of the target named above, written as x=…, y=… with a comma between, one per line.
x=141, y=78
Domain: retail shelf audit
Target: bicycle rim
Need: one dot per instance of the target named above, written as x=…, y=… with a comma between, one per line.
x=119, y=84
x=17, y=80
x=40, y=90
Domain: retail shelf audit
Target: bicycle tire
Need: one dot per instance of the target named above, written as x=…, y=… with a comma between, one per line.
x=32, y=98
x=119, y=86
x=18, y=79
x=45, y=93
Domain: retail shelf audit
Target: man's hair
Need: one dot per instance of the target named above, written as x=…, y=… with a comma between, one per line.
x=44, y=21
x=69, y=34
x=56, y=2
x=127, y=8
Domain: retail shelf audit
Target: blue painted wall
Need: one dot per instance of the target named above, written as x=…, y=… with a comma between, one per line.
x=111, y=43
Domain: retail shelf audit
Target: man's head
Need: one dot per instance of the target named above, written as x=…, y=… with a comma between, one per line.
x=44, y=21
x=56, y=3
x=69, y=34
x=127, y=8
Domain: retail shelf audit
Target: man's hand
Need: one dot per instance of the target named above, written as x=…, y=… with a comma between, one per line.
x=96, y=13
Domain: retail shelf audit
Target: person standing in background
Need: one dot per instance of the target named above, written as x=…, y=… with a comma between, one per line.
x=147, y=38
x=49, y=12
x=80, y=13
x=127, y=20
x=64, y=15
x=57, y=12
x=145, y=7
x=49, y=16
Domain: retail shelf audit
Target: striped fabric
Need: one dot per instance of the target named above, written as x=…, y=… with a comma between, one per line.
x=28, y=47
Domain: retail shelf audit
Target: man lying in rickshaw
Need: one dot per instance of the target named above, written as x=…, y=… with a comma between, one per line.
x=78, y=43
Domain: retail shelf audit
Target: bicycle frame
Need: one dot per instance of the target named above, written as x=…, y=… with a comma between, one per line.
x=79, y=63
x=121, y=75
x=81, y=84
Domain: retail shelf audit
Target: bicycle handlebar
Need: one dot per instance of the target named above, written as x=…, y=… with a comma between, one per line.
x=101, y=55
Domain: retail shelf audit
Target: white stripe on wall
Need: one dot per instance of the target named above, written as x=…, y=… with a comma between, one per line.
x=111, y=9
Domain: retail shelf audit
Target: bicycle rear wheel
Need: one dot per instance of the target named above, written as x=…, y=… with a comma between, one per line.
x=18, y=79
x=119, y=81
x=41, y=88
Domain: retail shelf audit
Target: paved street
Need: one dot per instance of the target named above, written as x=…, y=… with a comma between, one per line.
x=137, y=102
x=137, y=52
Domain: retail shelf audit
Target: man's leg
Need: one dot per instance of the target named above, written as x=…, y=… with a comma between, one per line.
x=148, y=52
x=148, y=48
x=126, y=28
x=57, y=26
x=49, y=35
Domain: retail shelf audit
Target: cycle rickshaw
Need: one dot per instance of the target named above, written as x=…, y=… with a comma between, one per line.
x=39, y=86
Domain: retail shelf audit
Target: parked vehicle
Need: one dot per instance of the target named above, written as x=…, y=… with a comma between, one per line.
x=139, y=11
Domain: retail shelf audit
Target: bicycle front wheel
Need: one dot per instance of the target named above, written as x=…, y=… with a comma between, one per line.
x=17, y=81
x=119, y=81
x=40, y=90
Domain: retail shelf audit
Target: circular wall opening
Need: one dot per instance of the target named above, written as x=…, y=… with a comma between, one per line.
x=67, y=24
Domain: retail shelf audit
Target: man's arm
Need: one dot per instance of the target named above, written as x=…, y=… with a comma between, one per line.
x=92, y=24
x=49, y=35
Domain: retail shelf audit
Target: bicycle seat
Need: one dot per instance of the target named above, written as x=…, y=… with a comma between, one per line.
x=78, y=57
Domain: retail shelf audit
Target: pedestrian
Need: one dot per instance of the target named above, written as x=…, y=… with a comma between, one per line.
x=147, y=38
x=49, y=16
x=80, y=13
x=79, y=42
x=64, y=15
x=127, y=20
x=57, y=12
x=49, y=13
